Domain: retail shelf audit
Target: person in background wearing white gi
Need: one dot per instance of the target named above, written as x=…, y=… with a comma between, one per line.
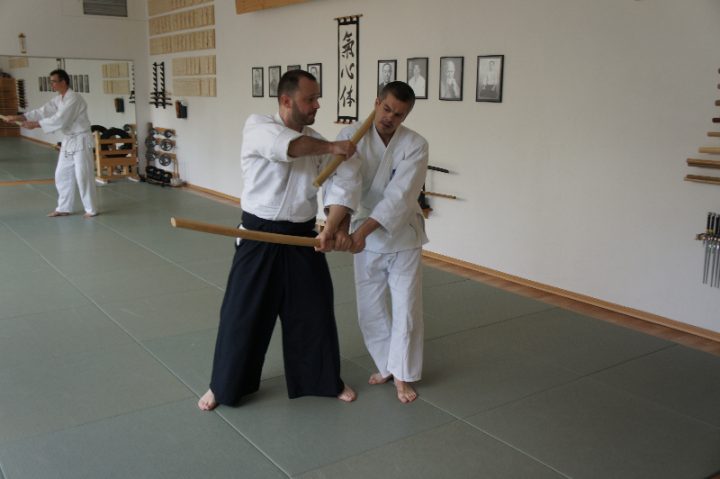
x=388, y=232
x=280, y=157
x=67, y=113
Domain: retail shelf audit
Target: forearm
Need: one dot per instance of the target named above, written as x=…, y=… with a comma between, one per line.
x=344, y=225
x=367, y=227
x=307, y=145
x=337, y=217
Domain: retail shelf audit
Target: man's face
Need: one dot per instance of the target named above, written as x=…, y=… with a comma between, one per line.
x=416, y=70
x=389, y=114
x=57, y=84
x=386, y=72
x=304, y=103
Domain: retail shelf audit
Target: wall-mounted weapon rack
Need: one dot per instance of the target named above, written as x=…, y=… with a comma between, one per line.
x=160, y=144
x=711, y=242
x=707, y=163
x=422, y=199
x=159, y=97
x=132, y=83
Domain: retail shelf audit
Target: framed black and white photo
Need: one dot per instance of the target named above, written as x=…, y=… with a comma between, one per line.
x=315, y=69
x=490, y=78
x=387, y=70
x=292, y=67
x=451, y=78
x=258, y=82
x=417, y=73
x=273, y=80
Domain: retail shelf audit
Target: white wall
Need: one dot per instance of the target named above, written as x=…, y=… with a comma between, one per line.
x=575, y=180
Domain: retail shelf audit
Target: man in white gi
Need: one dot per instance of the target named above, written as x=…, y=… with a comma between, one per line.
x=281, y=156
x=388, y=232
x=67, y=113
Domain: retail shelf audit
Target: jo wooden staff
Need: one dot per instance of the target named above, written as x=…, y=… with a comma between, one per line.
x=7, y=120
x=335, y=162
x=244, y=234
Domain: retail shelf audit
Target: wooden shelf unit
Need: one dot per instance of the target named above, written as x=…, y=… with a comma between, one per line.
x=8, y=105
x=116, y=163
x=707, y=163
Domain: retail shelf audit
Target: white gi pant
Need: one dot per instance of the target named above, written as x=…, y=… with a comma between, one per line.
x=76, y=166
x=393, y=333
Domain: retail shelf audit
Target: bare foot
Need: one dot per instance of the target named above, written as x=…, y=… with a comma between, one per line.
x=56, y=213
x=207, y=402
x=377, y=378
x=405, y=391
x=347, y=394
x=89, y=215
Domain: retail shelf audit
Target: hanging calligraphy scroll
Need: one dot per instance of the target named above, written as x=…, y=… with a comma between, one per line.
x=348, y=68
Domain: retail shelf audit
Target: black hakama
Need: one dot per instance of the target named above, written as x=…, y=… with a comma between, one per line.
x=266, y=281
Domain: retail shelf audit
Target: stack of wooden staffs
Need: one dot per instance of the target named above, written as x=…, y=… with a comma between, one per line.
x=711, y=241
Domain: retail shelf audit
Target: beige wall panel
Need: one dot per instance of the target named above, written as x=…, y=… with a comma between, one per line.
x=19, y=62
x=200, y=17
x=202, y=40
x=186, y=66
x=116, y=86
x=156, y=7
x=115, y=70
x=194, y=87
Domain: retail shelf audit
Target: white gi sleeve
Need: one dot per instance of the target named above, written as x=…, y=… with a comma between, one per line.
x=45, y=111
x=264, y=137
x=401, y=194
x=344, y=187
x=65, y=115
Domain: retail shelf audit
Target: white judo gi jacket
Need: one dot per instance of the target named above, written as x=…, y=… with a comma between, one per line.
x=280, y=188
x=392, y=178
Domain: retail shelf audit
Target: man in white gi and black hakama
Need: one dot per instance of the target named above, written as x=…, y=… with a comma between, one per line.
x=388, y=234
x=67, y=113
x=280, y=158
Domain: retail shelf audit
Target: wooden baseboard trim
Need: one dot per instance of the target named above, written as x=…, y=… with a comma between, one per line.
x=212, y=193
x=634, y=313
x=46, y=181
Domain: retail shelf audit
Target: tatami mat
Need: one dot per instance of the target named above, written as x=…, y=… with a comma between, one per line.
x=107, y=330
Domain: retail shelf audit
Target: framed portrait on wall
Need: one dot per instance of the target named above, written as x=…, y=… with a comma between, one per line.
x=417, y=73
x=387, y=70
x=258, y=82
x=292, y=67
x=490, y=78
x=315, y=69
x=451, y=78
x=273, y=80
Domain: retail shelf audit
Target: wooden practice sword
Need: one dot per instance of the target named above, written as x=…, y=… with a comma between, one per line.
x=335, y=162
x=244, y=234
